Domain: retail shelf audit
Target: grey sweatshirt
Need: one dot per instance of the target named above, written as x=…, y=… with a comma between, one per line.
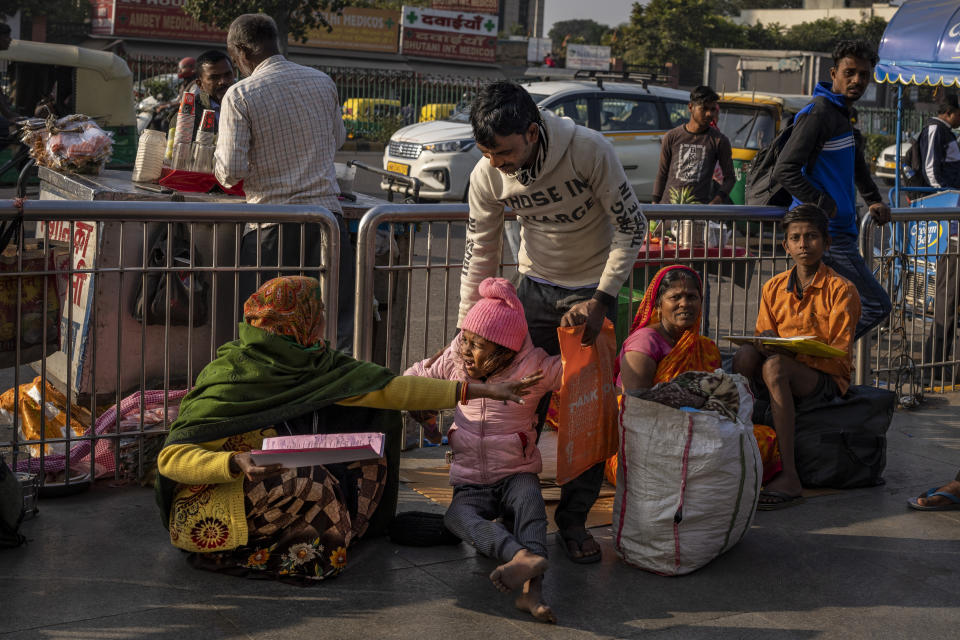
x=581, y=222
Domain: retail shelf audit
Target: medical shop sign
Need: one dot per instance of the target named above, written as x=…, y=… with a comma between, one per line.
x=452, y=35
x=153, y=19
x=474, y=6
x=356, y=30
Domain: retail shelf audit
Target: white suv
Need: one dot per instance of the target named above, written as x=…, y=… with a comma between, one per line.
x=634, y=118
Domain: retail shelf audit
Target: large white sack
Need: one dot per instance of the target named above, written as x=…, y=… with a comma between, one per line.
x=687, y=484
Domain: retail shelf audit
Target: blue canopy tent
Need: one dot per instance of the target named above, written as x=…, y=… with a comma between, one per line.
x=920, y=46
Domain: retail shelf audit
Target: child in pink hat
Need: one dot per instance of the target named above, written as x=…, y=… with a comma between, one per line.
x=495, y=460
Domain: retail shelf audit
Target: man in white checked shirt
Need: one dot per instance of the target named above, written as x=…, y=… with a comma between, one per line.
x=279, y=130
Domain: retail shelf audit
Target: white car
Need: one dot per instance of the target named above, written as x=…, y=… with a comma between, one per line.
x=886, y=167
x=634, y=118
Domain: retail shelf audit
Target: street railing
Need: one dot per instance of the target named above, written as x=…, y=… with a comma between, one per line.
x=414, y=279
x=916, y=259
x=94, y=255
x=113, y=298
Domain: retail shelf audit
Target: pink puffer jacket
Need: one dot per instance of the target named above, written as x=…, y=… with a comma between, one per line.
x=492, y=439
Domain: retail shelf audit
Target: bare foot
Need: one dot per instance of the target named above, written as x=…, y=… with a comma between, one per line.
x=532, y=600
x=787, y=485
x=524, y=566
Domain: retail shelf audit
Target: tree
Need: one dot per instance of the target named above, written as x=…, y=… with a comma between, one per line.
x=823, y=34
x=65, y=18
x=580, y=31
x=295, y=18
x=677, y=31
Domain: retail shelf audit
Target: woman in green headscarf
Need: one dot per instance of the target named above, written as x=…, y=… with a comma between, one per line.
x=280, y=378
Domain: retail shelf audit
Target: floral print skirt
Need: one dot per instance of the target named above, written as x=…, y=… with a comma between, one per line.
x=301, y=523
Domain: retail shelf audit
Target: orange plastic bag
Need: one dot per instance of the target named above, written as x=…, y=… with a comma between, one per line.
x=587, y=420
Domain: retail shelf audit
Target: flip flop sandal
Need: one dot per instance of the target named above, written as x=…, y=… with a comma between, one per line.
x=579, y=536
x=954, y=501
x=783, y=500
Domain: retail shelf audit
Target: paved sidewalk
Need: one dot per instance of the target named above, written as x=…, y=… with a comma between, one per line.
x=857, y=564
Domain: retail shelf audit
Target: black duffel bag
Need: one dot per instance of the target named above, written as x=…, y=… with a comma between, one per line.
x=842, y=443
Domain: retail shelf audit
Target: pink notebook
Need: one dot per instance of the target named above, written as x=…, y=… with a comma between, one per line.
x=317, y=449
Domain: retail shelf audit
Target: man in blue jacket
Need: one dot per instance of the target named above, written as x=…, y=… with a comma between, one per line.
x=822, y=163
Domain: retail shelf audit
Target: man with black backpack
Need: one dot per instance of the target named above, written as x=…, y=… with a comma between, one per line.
x=822, y=160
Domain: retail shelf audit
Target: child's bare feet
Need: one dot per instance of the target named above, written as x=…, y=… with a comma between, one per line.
x=524, y=566
x=532, y=600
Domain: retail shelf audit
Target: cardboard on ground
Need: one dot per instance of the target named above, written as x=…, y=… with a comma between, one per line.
x=319, y=449
x=807, y=345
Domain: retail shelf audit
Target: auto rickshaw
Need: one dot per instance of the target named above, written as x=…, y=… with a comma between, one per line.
x=72, y=80
x=751, y=121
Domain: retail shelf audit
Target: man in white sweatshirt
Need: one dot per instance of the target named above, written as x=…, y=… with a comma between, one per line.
x=581, y=230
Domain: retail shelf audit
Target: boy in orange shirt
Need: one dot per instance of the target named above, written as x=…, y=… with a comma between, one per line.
x=808, y=300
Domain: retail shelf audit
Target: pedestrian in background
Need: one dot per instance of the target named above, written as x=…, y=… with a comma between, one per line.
x=822, y=161
x=279, y=130
x=690, y=153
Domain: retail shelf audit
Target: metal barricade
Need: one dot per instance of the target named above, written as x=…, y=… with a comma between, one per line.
x=410, y=257
x=735, y=247
x=68, y=298
x=916, y=258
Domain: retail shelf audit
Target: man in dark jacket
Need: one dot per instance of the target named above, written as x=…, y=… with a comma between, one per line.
x=939, y=164
x=823, y=160
x=937, y=147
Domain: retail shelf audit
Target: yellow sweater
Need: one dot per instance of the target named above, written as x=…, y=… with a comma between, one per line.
x=208, y=511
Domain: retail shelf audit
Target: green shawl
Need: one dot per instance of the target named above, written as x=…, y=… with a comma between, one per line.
x=263, y=379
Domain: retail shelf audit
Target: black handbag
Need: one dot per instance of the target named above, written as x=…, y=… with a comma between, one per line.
x=150, y=302
x=842, y=444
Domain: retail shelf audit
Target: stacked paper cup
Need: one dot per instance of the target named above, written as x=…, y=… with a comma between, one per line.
x=182, y=154
x=203, y=146
x=150, y=152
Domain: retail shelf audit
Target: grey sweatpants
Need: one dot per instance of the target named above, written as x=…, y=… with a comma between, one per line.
x=516, y=500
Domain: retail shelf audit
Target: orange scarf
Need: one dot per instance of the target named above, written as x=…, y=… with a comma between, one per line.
x=692, y=352
x=288, y=306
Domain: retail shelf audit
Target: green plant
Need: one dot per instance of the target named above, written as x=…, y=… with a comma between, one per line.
x=682, y=196
x=875, y=143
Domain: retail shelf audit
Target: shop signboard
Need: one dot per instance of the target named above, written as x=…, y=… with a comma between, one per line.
x=101, y=17
x=473, y=6
x=153, y=19
x=75, y=288
x=357, y=30
x=451, y=35
x=588, y=57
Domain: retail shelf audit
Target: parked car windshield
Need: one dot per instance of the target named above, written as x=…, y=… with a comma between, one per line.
x=747, y=127
x=463, y=114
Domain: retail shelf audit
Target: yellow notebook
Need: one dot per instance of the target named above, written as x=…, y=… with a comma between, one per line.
x=807, y=345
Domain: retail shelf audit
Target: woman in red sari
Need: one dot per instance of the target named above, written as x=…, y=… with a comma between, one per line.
x=665, y=338
x=665, y=341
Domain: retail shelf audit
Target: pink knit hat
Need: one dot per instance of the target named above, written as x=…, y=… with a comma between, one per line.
x=498, y=315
